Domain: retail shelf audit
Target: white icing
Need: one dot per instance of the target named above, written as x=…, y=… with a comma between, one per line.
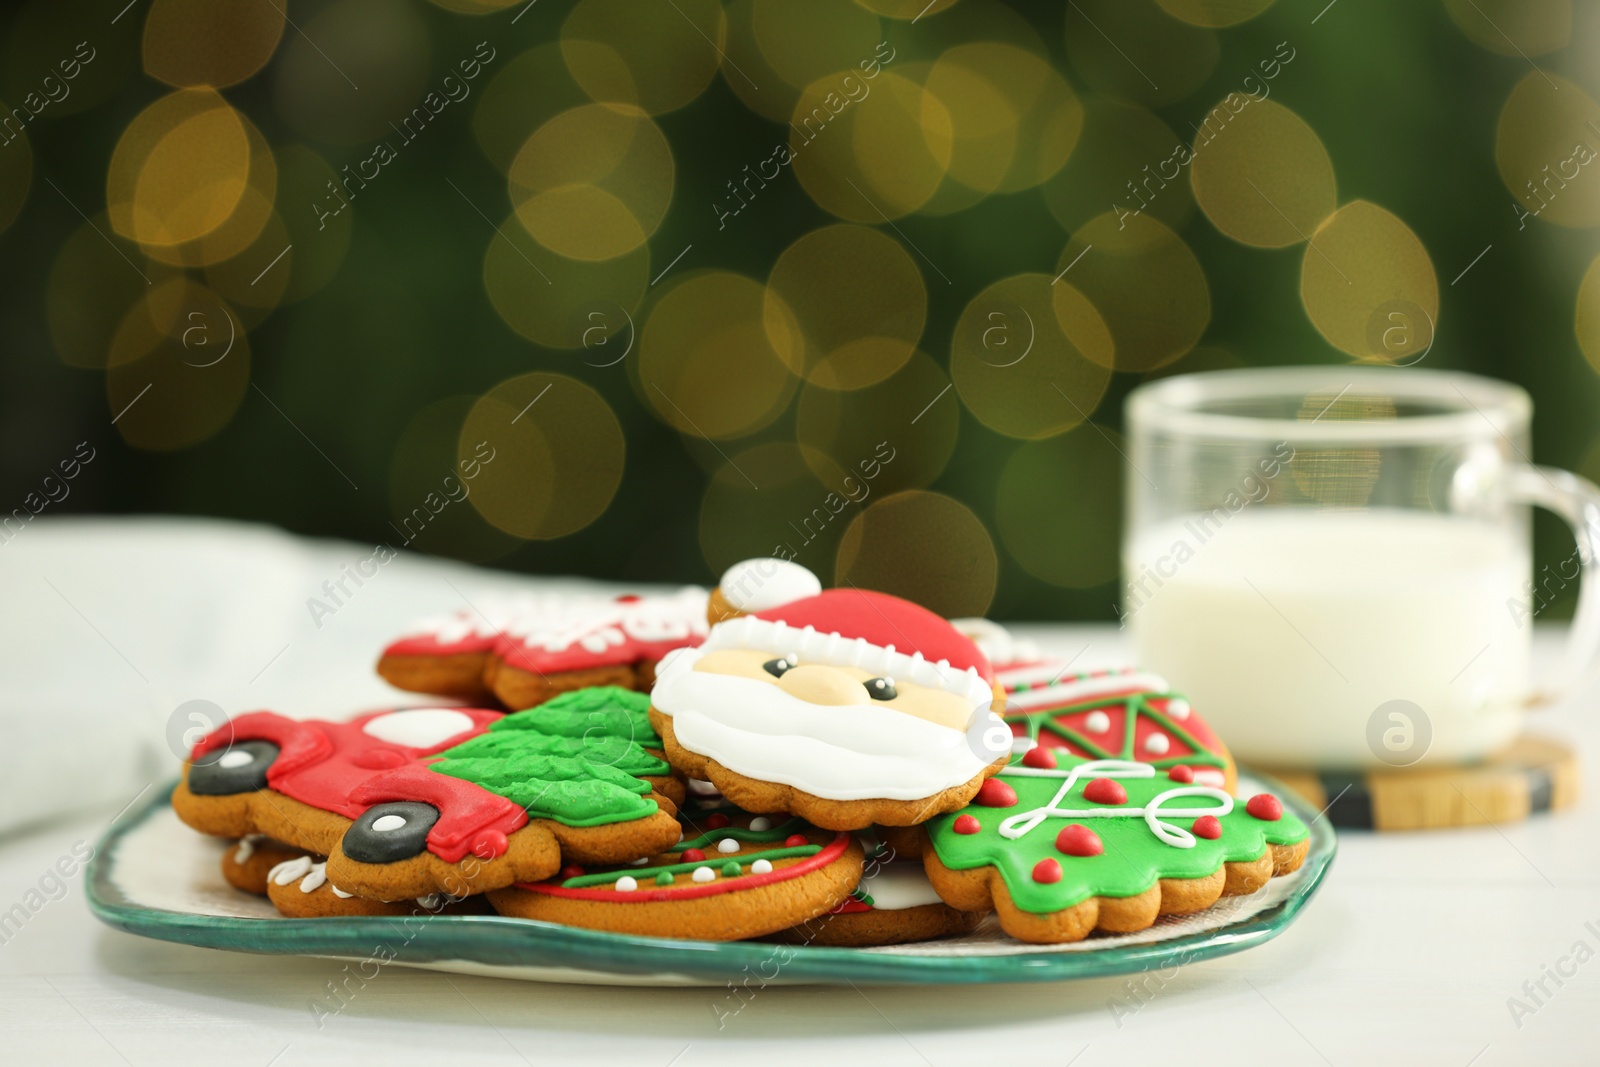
x=290, y=870
x=340, y=893
x=1154, y=814
x=1097, y=722
x=247, y=847
x=850, y=752
x=642, y=860
x=702, y=789
x=759, y=584
x=812, y=646
x=1157, y=744
x=999, y=645
x=627, y=883
x=418, y=727
x=761, y=867
x=727, y=844
x=1209, y=776
x=1077, y=689
x=385, y=823
x=896, y=886
x=760, y=824
x=237, y=757
x=429, y=902
x=599, y=625
x=1178, y=708
x=703, y=874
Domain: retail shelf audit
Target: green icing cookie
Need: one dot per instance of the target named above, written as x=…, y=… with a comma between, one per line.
x=577, y=759
x=1135, y=857
x=600, y=710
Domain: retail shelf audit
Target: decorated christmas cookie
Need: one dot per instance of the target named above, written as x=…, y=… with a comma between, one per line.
x=1124, y=714
x=1062, y=850
x=759, y=585
x=894, y=904
x=407, y=803
x=247, y=862
x=299, y=889
x=526, y=651
x=847, y=708
x=731, y=877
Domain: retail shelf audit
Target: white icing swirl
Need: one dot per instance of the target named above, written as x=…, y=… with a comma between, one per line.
x=247, y=847
x=758, y=584
x=1154, y=813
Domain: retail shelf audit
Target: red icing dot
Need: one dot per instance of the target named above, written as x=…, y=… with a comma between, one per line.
x=965, y=824
x=692, y=855
x=1181, y=773
x=489, y=844
x=1265, y=807
x=1039, y=757
x=995, y=794
x=795, y=841
x=1208, y=827
x=1079, y=840
x=1047, y=871
x=572, y=870
x=1105, y=791
x=717, y=821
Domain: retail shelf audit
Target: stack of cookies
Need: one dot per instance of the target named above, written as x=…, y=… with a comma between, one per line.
x=828, y=767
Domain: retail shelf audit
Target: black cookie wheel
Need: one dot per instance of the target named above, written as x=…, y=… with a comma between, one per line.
x=239, y=768
x=388, y=833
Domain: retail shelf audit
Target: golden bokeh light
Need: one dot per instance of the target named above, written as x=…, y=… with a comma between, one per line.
x=1519, y=28
x=320, y=241
x=244, y=224
x=528, y=91
x=805, y=42
x=1059, y=507
x=1135, y=50
x=93, y=283
x=16, y=173
x=1269, y=182
x=1145, y=284
x=870, y=150
x=255, y=280
x=745, y=69
x=355, y=68
x=1587, y=320
x=765, y=501
x=179, y=169
x=707, y=365
x=1546, y=147
x=1217, y=13
x=178, y=367
x=1368, y=285
x=656, y=57
x=927, y=547
x=565, y=303
x=552, y=455
x=858, y=299
x=1014, y=120
x=1128, y=159
x=427, y=485
x=901, y=431
x=593, y=183
x=192, y=43
x=1022, y=369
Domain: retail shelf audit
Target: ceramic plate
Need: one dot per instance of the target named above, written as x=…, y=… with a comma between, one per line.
x=155, y=877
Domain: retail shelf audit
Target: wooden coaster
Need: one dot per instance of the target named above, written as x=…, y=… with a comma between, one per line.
x=1530, y=775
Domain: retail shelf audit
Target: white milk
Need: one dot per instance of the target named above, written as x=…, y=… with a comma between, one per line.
x=1288, y=628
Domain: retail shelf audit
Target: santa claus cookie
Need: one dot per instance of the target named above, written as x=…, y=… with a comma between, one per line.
x=730, y=878
x=894, y=904
x=846, y=708
x=1063, y=846
x=759, y=585
x=403, y=808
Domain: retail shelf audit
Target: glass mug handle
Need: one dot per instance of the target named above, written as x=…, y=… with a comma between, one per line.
x=1577, y=500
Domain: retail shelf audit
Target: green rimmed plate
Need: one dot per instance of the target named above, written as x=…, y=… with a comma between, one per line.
x=154, y=877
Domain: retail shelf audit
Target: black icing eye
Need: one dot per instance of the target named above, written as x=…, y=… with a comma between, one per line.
x=881, y=688
x=777, y=667
x=387, y=833
x=239, y=768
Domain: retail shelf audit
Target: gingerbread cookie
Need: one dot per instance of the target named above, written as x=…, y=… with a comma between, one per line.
x=247, y=863
x=448, y=655
x=730, y=878
x=847, y=708
x=1061, y=846
x=894, y=904
x=401, y=813
x=299, y=889
x=758, y=585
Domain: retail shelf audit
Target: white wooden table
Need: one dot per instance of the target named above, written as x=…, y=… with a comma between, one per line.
x=1410, y=954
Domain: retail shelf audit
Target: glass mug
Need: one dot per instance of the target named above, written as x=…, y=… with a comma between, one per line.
x=1334, y=562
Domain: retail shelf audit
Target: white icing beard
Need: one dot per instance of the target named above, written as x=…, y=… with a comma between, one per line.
x=839, y=752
